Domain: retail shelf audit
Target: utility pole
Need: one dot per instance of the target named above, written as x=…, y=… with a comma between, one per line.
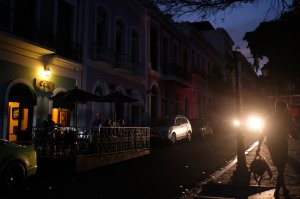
x=241, y=176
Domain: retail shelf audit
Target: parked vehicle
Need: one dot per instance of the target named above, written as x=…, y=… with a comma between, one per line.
x=172, y=129
x=202, y=127
x=17, y=164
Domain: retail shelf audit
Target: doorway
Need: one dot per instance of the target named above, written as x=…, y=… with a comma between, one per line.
x=21, y=101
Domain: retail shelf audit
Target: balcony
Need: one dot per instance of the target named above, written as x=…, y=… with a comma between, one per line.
x=200, y=72
x=123, y=61
x=102, y=53
x=224, y=87
x=173, y=72
x=31, y=30
x=138, y=69
x=69, y=49
x=126, y=63
x=38, y=32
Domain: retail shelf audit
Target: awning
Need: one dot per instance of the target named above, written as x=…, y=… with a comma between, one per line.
x=23, y=94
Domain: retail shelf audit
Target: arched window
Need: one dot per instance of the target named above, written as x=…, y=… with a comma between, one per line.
x=102, y=27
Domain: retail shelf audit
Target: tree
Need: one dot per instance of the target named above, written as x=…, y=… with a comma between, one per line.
x=279, y=41
x=207, y=8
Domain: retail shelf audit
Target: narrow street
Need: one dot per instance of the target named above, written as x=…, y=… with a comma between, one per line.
x=165, y=173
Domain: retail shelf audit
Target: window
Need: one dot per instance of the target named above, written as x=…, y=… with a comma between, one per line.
x=153, y=48
x=166, y=50
x=65, y=30
x=46, y=22
x=135, y=46
x=120, y=37
x=24, y=17
x=209, y=68
x=183, y=121
x=198, y=63
x=175, y=54
x=177, y=122
x=193, y=57
x=185, y=59
x=102, y=27
x=203, y=64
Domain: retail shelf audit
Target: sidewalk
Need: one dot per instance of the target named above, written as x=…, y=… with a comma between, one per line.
x=221, y=186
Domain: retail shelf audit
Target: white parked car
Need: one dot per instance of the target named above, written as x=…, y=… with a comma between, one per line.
x=172, y=129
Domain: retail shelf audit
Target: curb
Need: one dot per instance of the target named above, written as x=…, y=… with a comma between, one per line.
x=193, y=193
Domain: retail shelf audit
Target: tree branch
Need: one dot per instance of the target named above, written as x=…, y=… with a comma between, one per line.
x=207, y=8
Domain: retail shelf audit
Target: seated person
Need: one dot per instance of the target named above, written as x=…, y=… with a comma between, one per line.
x=107, y=123
x=121, y=123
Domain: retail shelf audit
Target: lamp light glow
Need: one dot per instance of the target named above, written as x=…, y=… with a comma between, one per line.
x=46, y=72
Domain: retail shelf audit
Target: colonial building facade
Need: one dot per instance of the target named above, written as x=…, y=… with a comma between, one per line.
x=37, y=37
x=104, y=46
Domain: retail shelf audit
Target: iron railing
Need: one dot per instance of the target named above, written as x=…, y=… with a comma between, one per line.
x=70, y=141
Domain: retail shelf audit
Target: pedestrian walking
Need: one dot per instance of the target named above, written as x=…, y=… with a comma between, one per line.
x=277, y=130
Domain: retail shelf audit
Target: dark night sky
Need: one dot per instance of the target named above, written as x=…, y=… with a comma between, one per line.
x=240, y=20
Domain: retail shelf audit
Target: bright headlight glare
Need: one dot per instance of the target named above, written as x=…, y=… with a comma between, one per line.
x=254, y=123
x=236, y=123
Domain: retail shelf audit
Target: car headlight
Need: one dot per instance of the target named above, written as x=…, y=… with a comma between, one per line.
x=255, y=123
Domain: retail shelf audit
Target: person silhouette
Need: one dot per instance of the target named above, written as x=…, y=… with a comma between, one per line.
x=107, y=122
x=278, y=128
x=48, y=136
x=97, y=120
x=120, y=123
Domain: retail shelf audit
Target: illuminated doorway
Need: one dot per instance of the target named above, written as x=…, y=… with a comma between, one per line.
x=61, y=116
x=22, y=99
x=61, y=111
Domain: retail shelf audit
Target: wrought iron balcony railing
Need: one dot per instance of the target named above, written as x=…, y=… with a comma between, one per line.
x=35, y=30
x=172, y=69
x=103, y=53
x=39, y=32
x=123, y=61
